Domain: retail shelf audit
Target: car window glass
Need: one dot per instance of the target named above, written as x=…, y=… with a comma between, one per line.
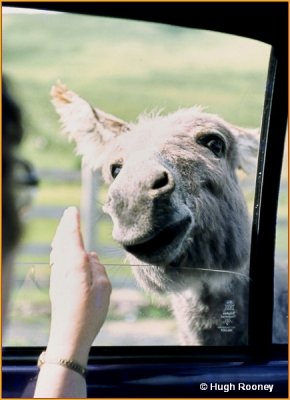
x=128, y=68
x=280, y=316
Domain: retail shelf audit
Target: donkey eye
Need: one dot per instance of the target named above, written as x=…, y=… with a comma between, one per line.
x=215, y=143
x=115, y=170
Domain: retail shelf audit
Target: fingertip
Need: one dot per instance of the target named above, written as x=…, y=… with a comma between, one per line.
x=69, y=227
x=72, y=210
x=71, y=216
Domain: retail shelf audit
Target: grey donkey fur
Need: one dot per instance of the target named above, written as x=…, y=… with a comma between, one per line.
x=177, y=208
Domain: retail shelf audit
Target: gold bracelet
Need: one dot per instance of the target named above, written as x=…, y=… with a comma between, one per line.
x=70, y=364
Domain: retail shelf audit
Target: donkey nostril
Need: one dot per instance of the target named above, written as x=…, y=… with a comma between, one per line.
x=161, y=181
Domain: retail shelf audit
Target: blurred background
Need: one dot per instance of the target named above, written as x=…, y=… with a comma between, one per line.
x=125, y=68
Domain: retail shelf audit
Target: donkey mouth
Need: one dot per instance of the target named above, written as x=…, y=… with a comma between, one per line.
x=160, y=241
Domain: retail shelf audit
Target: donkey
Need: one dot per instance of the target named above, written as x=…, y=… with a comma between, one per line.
x=177, y=207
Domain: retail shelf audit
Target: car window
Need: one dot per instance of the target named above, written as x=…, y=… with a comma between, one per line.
x=127, y=69
x=281, y=258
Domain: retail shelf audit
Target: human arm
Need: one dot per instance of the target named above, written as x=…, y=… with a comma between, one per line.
x=79, y=294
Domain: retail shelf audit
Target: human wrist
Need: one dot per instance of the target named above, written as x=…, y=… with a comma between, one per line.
x=69, y=364
x=68, y=351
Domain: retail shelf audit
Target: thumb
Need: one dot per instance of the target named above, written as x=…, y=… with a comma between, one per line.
x=68, y=230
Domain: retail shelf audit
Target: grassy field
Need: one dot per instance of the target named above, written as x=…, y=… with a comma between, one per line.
x=125, y=68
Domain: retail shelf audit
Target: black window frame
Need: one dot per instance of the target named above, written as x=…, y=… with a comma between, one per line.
x=268, y=23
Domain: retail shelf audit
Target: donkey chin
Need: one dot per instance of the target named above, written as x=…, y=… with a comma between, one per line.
x=162, y=247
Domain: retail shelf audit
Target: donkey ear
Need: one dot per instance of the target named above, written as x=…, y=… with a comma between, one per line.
x=248, y=148
x=90, y=128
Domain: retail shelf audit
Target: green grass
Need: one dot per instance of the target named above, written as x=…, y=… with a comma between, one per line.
x=40, y=230
x=58, y=193
x=150, y=311
x=282, y=239
x=126, y=68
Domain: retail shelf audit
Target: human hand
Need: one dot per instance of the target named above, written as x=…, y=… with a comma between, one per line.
x=79, y=292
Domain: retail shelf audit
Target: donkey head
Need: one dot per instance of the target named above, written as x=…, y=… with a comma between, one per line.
x=173, y=195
